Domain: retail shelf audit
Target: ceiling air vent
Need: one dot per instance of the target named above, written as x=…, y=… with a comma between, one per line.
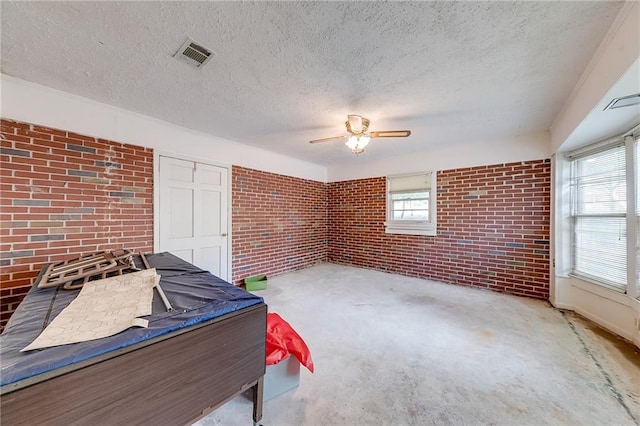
x=194, y=54
x=624, y=101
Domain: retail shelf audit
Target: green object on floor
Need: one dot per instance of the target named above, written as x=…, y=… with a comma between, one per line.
x=257, y=282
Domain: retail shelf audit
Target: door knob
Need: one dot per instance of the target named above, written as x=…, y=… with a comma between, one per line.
x=224, y=234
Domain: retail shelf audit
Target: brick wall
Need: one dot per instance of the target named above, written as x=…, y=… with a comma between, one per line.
x=493, y=229
x=62, y=195
x=279, y=223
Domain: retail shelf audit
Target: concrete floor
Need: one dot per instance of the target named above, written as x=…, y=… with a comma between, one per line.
x=392, y=350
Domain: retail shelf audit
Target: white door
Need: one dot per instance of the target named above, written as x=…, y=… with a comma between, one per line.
x=193, y=213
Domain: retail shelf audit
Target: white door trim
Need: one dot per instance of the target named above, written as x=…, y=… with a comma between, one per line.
x=156, y=200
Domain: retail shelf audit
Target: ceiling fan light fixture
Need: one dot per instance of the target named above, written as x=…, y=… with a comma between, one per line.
x=359, y=135
x=357, y=143
x=356, y=124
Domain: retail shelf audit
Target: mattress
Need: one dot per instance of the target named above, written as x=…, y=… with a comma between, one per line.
x=195, y=294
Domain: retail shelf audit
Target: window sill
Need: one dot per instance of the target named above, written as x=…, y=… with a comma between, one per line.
x=592, y=280
x=583, y=286
x=410, y=229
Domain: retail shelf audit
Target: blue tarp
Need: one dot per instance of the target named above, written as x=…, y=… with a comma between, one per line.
x=195, y=294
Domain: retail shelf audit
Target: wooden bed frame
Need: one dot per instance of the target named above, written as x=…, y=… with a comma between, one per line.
x=173, y=379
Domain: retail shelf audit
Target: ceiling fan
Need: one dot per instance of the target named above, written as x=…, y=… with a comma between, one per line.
x=359, y=136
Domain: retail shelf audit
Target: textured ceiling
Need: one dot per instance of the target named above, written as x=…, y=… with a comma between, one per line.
x=288, y=72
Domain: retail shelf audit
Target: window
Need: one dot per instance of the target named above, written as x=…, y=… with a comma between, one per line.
x=604, y=213
x=411, y=206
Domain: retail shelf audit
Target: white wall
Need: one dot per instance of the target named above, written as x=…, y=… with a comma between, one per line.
x=474, y=153
x=33, y=103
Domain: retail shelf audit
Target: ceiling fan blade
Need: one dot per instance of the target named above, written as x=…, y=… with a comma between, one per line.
x=391, y=134
x=331, y=139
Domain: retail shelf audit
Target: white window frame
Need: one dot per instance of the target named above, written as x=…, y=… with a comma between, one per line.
x=632, y=222
x=413, y=227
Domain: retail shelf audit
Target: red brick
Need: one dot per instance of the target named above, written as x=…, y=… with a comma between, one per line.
x=357, y=236
x=47, y=171
x=282, y=223
x=279, y=223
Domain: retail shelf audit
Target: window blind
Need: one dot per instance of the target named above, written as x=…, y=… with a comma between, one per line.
x=599, y=204
x=410, y=183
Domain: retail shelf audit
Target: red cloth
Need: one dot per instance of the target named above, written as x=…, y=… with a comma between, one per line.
x=282, y=341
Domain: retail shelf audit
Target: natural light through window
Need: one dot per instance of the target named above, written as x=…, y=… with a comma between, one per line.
x=602, y=209
x=410, y=206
